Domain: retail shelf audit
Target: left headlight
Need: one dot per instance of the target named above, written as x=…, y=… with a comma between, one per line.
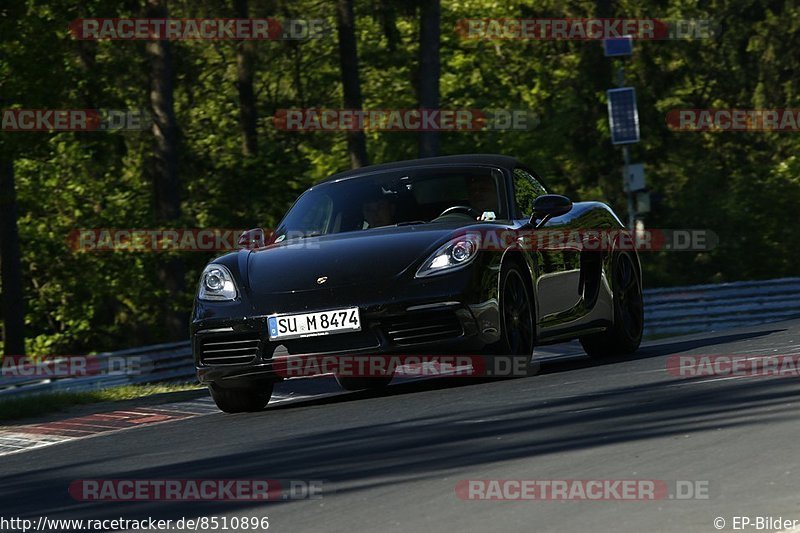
x=452, y=255
x=216, y=283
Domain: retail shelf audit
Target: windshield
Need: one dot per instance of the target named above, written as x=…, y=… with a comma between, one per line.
x=407, y=196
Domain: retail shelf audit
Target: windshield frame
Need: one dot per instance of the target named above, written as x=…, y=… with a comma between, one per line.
x=503, y=216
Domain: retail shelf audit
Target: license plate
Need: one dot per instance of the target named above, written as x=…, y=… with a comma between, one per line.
x=314, y=324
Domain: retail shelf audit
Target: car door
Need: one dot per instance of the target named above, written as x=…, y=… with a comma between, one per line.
x=558, y=279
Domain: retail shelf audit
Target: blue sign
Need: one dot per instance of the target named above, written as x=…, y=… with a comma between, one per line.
x=618, y=46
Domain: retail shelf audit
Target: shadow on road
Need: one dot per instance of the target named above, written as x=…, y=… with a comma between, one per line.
x=659, y=348
x=413, y=430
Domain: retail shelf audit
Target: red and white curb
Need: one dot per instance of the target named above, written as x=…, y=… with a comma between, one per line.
x=23, y=438
x=31, y=436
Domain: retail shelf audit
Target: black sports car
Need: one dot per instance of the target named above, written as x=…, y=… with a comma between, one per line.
x=434, y=255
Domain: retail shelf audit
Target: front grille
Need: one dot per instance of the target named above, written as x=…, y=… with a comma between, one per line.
x=423, y=327
x=233, y=349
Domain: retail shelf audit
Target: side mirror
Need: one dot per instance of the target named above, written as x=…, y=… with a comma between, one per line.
x=548, y=206
x=254, y=238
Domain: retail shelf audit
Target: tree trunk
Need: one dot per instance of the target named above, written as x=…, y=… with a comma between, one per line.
x=351, y=84
x=388, y=20
x=245, y=71
x=13, y=305
x=429, y=71
x=164, y=169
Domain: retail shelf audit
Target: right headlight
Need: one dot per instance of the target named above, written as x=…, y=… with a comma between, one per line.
x=216, y=284
x=452, y=255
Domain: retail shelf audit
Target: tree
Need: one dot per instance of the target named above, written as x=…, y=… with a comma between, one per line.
x=164, y=166
x=429, y=71
x=351, y=83
x=10, y=265
x=245, y=70
x=743, y=186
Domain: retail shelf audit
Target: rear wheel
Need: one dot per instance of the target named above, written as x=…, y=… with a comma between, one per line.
x=361, y=383
x=625, y=335
x=241, y=400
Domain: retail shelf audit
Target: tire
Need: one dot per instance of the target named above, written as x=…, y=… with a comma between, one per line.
x=364, y=383
x=517, y=318
x=241, y=400
x=625, y=335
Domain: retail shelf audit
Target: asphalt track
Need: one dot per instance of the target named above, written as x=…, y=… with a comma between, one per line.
x=391, y=460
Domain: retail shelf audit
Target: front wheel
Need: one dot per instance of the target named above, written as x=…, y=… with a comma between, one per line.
x=625, y=335
x=241, y=400
x=517, y=319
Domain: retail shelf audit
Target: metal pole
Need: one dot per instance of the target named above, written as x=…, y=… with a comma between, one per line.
x=631, y=209
x=626, y=161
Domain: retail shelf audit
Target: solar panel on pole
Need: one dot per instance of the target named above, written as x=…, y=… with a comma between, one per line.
x=623, y=116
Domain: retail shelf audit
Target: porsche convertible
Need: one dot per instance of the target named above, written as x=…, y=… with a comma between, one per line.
x=398, y=258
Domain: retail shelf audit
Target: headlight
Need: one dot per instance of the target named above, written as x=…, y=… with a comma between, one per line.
x=216, y=283
x=453, y=255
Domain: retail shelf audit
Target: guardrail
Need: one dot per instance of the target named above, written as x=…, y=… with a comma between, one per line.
x=159, y=363
x=698, y=308
x=668, y=311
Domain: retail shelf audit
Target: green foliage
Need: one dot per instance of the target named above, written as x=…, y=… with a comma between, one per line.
x=744, y=186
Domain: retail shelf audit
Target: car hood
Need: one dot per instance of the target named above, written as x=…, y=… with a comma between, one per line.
x=355, y=258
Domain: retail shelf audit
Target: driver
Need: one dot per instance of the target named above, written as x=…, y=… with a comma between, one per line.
x=378, y=211
x=482, y=193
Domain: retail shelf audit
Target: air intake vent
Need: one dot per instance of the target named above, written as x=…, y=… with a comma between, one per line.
x=423, y=327
x=234, y=349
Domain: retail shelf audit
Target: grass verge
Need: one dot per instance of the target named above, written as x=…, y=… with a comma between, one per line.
x=45, y=403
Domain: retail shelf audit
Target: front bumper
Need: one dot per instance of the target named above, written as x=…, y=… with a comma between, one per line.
x=454, y=313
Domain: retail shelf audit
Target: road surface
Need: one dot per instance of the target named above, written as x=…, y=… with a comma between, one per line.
x=391, y=461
